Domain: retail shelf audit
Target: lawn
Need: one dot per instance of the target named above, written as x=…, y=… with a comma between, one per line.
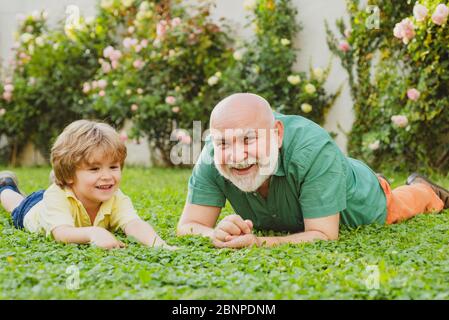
x=411, y=259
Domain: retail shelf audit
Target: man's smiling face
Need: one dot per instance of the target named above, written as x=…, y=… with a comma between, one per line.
x=246, y=140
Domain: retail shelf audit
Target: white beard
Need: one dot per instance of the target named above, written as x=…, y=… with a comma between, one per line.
x=251, y=182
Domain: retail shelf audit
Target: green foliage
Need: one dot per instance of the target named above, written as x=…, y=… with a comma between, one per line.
x=166, y=60
x=412, y=257
x=264, y=64
x=161, y=64
x=381, y=70
x=48, y=70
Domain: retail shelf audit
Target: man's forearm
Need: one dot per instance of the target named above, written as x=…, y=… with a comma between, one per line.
x=194, y=228
x=307, y=236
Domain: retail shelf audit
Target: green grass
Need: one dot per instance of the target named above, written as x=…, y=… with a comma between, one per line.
x=412, y=258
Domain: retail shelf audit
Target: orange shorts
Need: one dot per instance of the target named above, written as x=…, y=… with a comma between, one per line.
x=407, y=201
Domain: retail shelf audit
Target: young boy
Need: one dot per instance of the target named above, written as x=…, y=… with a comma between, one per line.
x=85, y=201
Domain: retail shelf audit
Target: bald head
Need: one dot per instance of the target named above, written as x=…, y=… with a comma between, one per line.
x=242, y=110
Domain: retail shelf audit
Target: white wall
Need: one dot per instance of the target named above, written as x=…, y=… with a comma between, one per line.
x=311, y=41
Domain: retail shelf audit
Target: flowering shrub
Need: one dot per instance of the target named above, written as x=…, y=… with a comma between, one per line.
x=158, y=63
x=264, y=64
x=157, y=71
x=40, y=91
x=398, y=78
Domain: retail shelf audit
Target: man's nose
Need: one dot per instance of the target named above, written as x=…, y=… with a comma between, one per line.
x=239, y=154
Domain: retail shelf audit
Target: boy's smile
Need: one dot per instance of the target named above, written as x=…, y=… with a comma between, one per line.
x=96, y=182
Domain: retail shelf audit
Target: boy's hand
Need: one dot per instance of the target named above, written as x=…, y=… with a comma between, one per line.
x=104, y=239
x=232, y=225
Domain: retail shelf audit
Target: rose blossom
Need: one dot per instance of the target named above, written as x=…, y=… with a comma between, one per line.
x=420, y=12
x=344, y=46
x=102, y=83
x=440, y=15
x=404, y=30
x=8, y=87
x=170, y=100
x=176, y=22
x=413, y=94
x=138, y=64
x=399, y=121
x=86, y=87
x=102, y=93
x=107, y=51
x=175, y=109
x=161, y=29
x=7, y=95
x=134, y=107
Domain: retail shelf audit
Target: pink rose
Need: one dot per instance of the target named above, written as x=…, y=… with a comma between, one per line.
x=2, y=112
x=144, y=43
x=102, y=84
x=115, y=55
x=175, y=109
x=7, y=95
x=139, y=90
x=131, y=29
x=176, y=22
x=8, y=87
x=134, y=107
x=138, y=64
x=399, y=121
x=138, y=48
x=127, y=43
x=440, y=15
x=102, y=93
x=344, y=46
x=404, y=30
x=420, y=12
x=94, y=85
x=170, y=100
x=108, y=51
x=413, y=94
x=86, y=87
x=106, y=67
x=161, y=29
x=114, y=64
x=183, y=137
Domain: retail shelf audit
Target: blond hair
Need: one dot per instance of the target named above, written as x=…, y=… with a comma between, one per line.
x=78, y=144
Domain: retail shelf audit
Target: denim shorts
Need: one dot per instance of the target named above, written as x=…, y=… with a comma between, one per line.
x=19, y=213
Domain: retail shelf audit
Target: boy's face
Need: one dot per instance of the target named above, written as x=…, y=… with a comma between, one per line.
x=96, y=181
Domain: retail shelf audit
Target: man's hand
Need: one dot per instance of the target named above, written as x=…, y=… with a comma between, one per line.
x=238, y=242
x=232, y=225
x=104, y=239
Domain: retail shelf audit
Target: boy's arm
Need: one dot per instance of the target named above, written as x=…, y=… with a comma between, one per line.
x=93, y=235
x=144, y=233
x=325, y=228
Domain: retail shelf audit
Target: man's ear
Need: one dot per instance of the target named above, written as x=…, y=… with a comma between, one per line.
x=279, y=126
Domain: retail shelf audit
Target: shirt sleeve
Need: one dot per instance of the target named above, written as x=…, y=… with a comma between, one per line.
x=56, y=211
x=123, y=212
x=323, y=191
x=203, y=188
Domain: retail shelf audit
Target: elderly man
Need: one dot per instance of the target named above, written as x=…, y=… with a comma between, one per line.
x=285, y=173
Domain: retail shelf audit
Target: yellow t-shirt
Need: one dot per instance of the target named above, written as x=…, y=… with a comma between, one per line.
x=61, y=207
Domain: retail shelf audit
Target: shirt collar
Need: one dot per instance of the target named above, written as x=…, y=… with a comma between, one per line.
x=105, y=208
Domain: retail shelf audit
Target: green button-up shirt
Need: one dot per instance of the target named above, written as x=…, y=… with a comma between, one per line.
x=313, y=179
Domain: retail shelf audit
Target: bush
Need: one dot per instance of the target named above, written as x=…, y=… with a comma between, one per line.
x=159, y=63
x=399, y=86
x=264, y=64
